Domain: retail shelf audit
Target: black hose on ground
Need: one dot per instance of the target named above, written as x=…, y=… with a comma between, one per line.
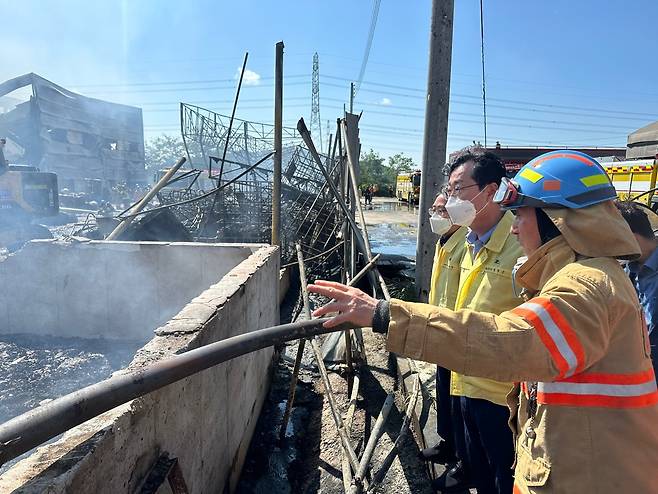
x=37, y=426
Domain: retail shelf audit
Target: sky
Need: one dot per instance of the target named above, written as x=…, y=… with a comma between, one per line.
x=559, y=73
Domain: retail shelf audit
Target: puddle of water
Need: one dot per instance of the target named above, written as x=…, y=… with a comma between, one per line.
x=391, y=206
x=389, y=238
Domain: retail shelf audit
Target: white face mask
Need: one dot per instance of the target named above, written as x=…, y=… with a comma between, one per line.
x=461, y=212
x=439, y=224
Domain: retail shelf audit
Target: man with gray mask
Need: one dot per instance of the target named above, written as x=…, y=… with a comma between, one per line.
x=485, y=284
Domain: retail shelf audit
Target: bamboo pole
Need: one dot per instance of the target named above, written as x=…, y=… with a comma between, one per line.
x=121, y=227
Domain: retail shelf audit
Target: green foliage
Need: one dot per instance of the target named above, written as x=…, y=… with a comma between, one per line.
x=382, y=176
x=401, y=163
x=163, y=151
x=374, y=171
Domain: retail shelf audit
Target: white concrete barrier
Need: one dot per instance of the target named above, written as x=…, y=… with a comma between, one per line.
x=207, y=420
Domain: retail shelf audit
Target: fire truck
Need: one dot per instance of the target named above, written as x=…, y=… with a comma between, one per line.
x=407, y=187
x=635, y=180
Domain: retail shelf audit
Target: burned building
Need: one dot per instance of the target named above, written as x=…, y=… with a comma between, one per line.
x=87, y=142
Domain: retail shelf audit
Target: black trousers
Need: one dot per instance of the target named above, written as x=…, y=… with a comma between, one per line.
x=445, y=421
x=489, y=445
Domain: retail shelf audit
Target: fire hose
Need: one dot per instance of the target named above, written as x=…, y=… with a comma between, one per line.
x=37, y=426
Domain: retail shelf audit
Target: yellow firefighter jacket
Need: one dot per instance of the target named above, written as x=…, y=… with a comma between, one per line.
x=445, y=270
x=585, y=412
x=485, y=285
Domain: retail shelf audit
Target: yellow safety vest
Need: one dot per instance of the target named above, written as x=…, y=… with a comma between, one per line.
x=485, y=285
x=444, y=283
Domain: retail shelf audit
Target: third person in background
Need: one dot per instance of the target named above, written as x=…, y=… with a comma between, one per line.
x=444, y=285
x=485, y=284
x=644, y=271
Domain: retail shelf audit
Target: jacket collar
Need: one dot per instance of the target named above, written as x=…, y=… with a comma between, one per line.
x=544, y=263
x=501, y=233
x=455, y=239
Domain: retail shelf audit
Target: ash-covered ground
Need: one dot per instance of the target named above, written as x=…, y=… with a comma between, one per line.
x=34, y=368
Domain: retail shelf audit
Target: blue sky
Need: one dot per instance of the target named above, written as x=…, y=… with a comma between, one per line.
x=577, y=73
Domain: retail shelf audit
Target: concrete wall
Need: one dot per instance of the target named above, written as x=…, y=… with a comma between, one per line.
x=206, y=420
x=107, y=289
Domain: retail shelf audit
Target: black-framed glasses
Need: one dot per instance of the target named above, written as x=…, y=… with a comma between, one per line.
x=448, y=191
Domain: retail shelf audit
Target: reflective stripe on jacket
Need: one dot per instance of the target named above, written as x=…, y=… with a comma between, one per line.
x=485, y=284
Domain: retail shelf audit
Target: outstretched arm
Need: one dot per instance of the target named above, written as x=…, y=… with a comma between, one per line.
x=350, y=303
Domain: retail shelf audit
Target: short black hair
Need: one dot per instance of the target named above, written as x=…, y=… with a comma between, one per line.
x=487, y=168
x=636, y=217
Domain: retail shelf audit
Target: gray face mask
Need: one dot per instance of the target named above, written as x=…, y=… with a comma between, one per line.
x=519, y=262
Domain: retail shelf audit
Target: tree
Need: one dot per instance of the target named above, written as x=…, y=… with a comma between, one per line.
x=375, y=172
x=401, y=163
x=163, y=151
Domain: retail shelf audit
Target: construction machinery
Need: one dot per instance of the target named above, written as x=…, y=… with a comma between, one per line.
x=25, y=195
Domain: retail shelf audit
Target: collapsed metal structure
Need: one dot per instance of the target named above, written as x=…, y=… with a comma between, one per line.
x=238, y=208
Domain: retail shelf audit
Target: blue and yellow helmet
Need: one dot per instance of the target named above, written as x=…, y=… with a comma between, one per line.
x=559, y=179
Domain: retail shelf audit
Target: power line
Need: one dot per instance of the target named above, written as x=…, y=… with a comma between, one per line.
x=172, y=90
x=166, y=83
x=530, y=103
x=371, y=35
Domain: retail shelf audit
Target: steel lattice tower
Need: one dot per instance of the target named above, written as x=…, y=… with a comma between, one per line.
x=316, y=125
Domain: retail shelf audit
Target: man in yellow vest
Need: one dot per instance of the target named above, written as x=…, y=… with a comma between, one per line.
x=444, y=285
x=485, y=284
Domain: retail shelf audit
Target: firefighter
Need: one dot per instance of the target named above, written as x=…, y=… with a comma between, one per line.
x=584, y=411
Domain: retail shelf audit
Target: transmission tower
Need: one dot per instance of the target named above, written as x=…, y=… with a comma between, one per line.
x=316, y=126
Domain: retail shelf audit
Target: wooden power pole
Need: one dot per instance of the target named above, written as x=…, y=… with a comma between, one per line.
x=436, y=134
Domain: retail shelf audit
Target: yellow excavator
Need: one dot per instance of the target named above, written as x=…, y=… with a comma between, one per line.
x=25, y=195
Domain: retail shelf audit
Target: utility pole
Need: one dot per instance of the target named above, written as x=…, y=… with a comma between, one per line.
x=436, y=134
x=278, y=145
x=351, y=97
